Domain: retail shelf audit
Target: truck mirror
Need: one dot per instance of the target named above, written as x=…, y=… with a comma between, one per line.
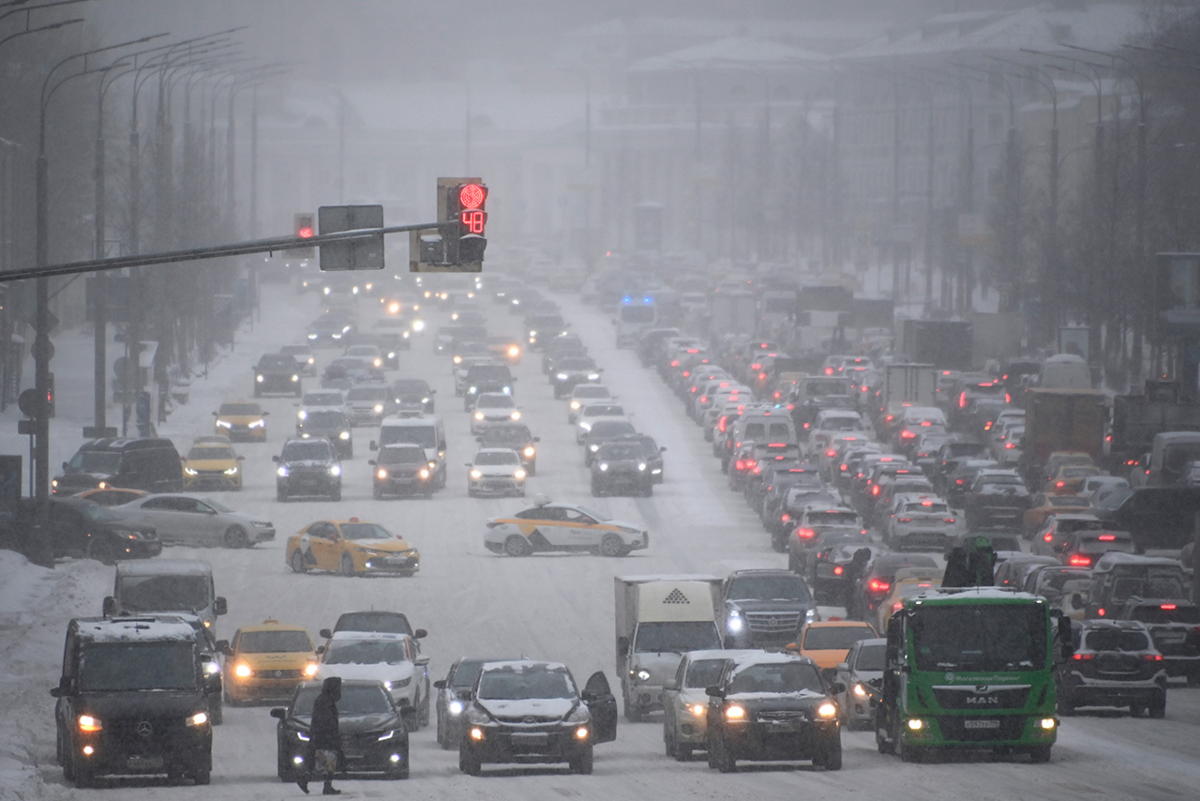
x=1076, y=601
x=222, y=646
x=670, y=684
x=715, y=691
x=791, y=646
x=622, y=646
x=420, y=634
x=221, y=606
x=110, y=606
x=843, y=667
x=275, y=459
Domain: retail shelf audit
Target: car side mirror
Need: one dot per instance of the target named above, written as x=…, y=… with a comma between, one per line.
x=241, y=458
x=662, y=449
x=222, y=646
x=537, y=439
x=220, y=605
x=843, y=667
x=837, y=688
x=275, y=459
x=467, y=464
x=326, y=633
x=56, y=692
x=420, y=634
x=371, y=462
x=215, y=414
x=266, y=414
x=110, y=606
x=373, y=446
x=670, y=684
x=440, y=684
x=279, y=712
x=421, y=661
x=791, y=646
x=433, y=392
x=715, y=691
x=320, y=650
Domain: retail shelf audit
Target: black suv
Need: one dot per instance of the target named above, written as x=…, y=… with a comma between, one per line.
x=308, y=467
x=516, y=436
x=486, y=378
x=330, y=424
x=278, y=374
x=572, y=371
x=150, y=464
x=402, y=469
x=620, y=465
x=997, y=498
x=769, y=708
x=765, y=608
x=1174, y=627
x=411, y=396
x=132, y=700
x=1115, y=664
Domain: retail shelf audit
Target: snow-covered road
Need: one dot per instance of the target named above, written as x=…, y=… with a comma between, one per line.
x=473, y=602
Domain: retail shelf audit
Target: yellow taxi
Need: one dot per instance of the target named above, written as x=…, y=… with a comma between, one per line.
x=827, y=642
x=351, y=547
x=212, y=465
x=241, y=420
x=112, y=496
x=267, y=661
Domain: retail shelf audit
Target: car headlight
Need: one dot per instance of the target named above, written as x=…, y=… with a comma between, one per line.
x=391, y=354
x=295, y=378
x=311, y=669
x=312, y=360
x=379, y=408
x=735, y=712
x=532, y=334
x=603, y=466
x=337, y=336
x=387, y=735
x=698, y=710
x=224, y=424
x=89, y=723
x=335, y=470
x=191, y=472
x=282, y=471
x=198, y=719
x=593, y=447
x=476, y=474
x=561, y=376
x=575, y=405
x=424, y=400
x=259, y=378
x=593, y=376
x=641, y=466
x=735, y=623
x=860, y=691
x=585, y=425
x=514, y=351
x=515, y=415
x=579, y=714
x=231, y=471
x=259, y=423
x=243, y=671
x=418, y=325
x=378, y=362
x=312, y=336
x=470, y=391
x=529, y=451
x=519, y=474
x=396, y=684
x=381, y=474
x=458, y=359
x=642, y=674
x=302, y=414
x=478, y=415
x=455, y=707
x=424, y=473
x=827, y=710
x=507, y=390
x=345, y=435
x=211, y=668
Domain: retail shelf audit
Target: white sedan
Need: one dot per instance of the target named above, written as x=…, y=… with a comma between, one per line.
x=392, y=659
x=548, y=526
x=584, y=394
x=492, y=408
x=592, y=412
x=195, y=520
x=496, y=471
x=922, y=522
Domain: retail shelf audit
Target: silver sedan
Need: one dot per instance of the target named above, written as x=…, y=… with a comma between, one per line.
x=195, y=520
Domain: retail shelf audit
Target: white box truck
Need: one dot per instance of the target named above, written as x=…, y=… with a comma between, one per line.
x=658, y=619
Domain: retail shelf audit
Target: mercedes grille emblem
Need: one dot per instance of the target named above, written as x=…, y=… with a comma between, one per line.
x=144, y=729
x=529, y=719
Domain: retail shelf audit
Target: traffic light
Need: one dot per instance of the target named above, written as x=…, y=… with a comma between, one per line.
x=465, y=203
x=305, y=228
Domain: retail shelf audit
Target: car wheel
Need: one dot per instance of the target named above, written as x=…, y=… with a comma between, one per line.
x=423, y=712
x=468, y=761
x=283, y=766
x=831, y=759
x=377, y=494
x=582, y=763
x=102, y=551
x=1136, y=710
x=202, y=776
x=347, y=565
x=1039, y=754
x=595, y=489
x=517, y=545
x=401, y=772
x=648, y=491
x=724, y=759
x=683, y=753
x=633, y=713
x=1158, y=707
x=235, y=537
x=612, y=545
x=297, y=562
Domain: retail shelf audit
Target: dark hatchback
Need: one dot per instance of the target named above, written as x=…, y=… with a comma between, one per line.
x=620, y=466
x=410, y=397
x=1115, y=664
x=372, y=728
x=308, y=467
x=79, y=527
x=277, y=374
x=402, y=469
x=772, y=707
x=330, y=424
x=1175, y=628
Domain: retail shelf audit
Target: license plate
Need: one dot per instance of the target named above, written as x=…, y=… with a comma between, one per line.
x=531, y=740
x=144, y=762
x=981, y=724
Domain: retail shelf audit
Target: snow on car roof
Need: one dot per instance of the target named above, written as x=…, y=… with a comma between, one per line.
x=354, y=634
x=522, y=665
x=164, y=567
x=110, y=630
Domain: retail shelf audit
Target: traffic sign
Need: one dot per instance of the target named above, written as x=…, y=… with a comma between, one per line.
x=33, y=403
x=42, y=349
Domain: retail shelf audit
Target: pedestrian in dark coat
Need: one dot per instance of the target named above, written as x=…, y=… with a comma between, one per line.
x=326, y=739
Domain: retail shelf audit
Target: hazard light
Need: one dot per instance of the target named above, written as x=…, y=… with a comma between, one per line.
x=876, y=585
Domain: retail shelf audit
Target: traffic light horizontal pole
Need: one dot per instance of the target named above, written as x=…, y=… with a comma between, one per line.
x=213, y=252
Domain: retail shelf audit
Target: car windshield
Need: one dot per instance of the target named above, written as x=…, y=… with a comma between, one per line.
x=603, y=410
x=1014, y=481
x=524, y=683
x=211, y=452
x=296, y=350
x=497, y=458
x=365, y=652
x=841, y=424
x=118, y=667
x=926, y=508
x=423, y=435
x=99, y=462
x=239, y=409
x=768, y=588
x=776, y=677
x=1068, y=501
x=466, y=674
x=326, y=420
x=835, y=638
x=870, y=657
x=366, y=394
x=309, y=450
x=591, y=391
x=410, y=386
x=980, y=637
x=676, y=637
x=612, y=428
x=620, y=451
x=576, y=363
x=280, y=362
x=389, y=622
x=495, y=402
x=488, y=372
x=365, y=531
x=392, y=455
x=323, y=399
x=704, y=672
x=166, y=593
x=517, y=434
x=274, y=642
x=1117, y=640
x=356, y=699
x=833, y=519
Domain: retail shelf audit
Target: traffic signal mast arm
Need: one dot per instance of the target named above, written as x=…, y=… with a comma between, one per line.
x=214, y=252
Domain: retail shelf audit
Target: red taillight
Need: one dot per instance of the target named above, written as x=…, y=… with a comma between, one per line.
x=1048, y=537
x=889, y=418
x=1100, y=611
x=958, y=481
x=879, y=586
x=845, y=467
x=1079, y=560
x=675, y=363
x=704, y=399
x=1152, y=657
x=739, y=465
x=805, y=533
x=721, y=425
x=1007, y=398
x=828, y=371
x=962, y=401
x=778, y=395
x=1082, y=657
x=1169, y=607
x=904, y=520
x=947, y=519
x=806, y=426
x=875, y=490
x=1108, y=538
x=1008, y=446
x=838, y=570
x=906, y=434
x=1060, y=484
x=762, y=376
x=864, y=389
x=784, y=517
x=756, y=366
x=831, y=453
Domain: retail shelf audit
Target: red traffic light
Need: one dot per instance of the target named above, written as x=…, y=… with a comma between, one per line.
x=305, y=233
x=472, y=196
